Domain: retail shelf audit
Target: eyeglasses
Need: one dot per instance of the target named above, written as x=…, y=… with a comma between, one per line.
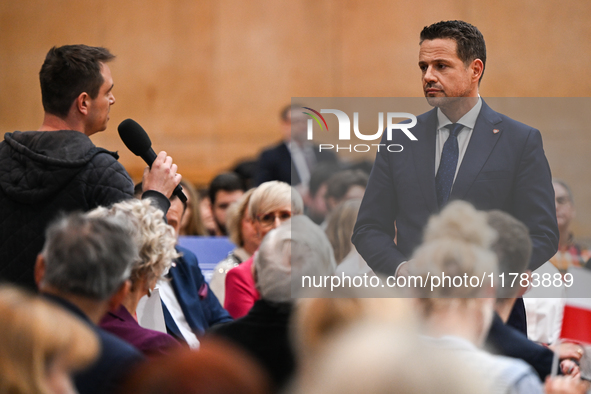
x=268, y=219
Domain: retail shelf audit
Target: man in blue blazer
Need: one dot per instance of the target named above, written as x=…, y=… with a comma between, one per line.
x=189, y=305
x=464, y=150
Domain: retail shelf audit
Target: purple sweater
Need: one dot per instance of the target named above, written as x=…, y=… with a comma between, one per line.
x=149, y=342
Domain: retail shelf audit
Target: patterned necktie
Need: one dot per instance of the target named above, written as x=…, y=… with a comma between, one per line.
x=447, y=166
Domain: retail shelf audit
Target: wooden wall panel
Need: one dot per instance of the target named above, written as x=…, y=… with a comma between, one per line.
x=206, y=78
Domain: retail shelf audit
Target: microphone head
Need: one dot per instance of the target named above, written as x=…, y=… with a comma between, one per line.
x=134, y=137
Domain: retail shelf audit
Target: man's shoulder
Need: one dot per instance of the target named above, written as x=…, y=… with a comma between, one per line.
x=116, y=359
x=186, y=255
x=274, y=150
x=187, y=264
x=504, y=121
x=102, y=157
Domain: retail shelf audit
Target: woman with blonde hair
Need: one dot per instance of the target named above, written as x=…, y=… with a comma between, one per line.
x=457, y=317
x=192, y=224
x=339, y=230
x=40, y=345
x=270, y=204
x=155, y=241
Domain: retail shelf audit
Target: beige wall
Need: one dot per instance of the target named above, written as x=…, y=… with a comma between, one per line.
x=206, y=78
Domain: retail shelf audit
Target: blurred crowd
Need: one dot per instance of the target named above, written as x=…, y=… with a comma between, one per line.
x=85, y=254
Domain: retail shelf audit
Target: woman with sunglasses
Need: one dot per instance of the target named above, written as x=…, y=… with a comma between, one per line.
x=271, y=204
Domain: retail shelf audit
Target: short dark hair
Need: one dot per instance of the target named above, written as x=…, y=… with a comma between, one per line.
x=320, y=174
x=468, y=38
x=339, y=184
x=228, y=181
x=285, y=110
x=513, y=248
x=67, y=72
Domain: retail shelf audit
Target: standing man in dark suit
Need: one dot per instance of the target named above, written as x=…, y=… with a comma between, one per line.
x=464, y=150
x=293, y=159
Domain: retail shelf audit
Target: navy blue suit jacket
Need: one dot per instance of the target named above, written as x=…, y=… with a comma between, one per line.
x=275, y=164
x=507, y=341
x=115, y=360
x=505, y=170
x=200, y=306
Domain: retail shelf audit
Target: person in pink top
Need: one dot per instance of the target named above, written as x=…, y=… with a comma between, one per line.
x=270, y=204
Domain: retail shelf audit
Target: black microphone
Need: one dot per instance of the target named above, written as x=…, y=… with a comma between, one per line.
x=137, y=141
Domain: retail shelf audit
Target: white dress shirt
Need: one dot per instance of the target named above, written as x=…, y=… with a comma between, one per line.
x=173, y=306
x=468, y=120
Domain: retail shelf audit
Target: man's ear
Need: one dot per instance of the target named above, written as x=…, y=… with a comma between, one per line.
x=82, y=103
x=477, y=68
x=39, y=269
x=117, y=298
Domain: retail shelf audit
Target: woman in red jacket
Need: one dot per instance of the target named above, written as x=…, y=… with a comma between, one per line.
x=270, y=204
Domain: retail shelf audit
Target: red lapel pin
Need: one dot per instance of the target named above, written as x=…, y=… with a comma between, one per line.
x=495, y=131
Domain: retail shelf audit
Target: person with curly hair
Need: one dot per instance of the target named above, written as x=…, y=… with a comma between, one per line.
x=155, y=241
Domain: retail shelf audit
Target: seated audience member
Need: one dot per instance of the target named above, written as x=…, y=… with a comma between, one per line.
x=314, y=199
x=457, y=319
x=189, y=305
x=297, y=246
x=342, y=186
x=374, y=358
x=155, y=241
x=270, y=204
x=569, y=253
x=40, y=345
x=192, y=223
x=513, y=249
x=293, y=159
x=246, y=169
x=84, y=267
x=211, y=228
x=339, y=229
x=545, y=306
x=317, y=320
x=243, y=234
x=224, y=190
x=217, y=368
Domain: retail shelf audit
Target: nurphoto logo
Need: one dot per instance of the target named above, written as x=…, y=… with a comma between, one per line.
x=344, y=131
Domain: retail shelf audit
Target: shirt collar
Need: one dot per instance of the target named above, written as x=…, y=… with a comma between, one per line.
x=468, y=120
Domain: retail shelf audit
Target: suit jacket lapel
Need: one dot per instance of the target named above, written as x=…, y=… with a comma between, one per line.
x=424, y=157
x=481, y=144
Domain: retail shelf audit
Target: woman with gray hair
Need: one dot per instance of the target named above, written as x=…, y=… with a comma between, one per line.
x=295, y=248
x=270, y=204
x=155, y=241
